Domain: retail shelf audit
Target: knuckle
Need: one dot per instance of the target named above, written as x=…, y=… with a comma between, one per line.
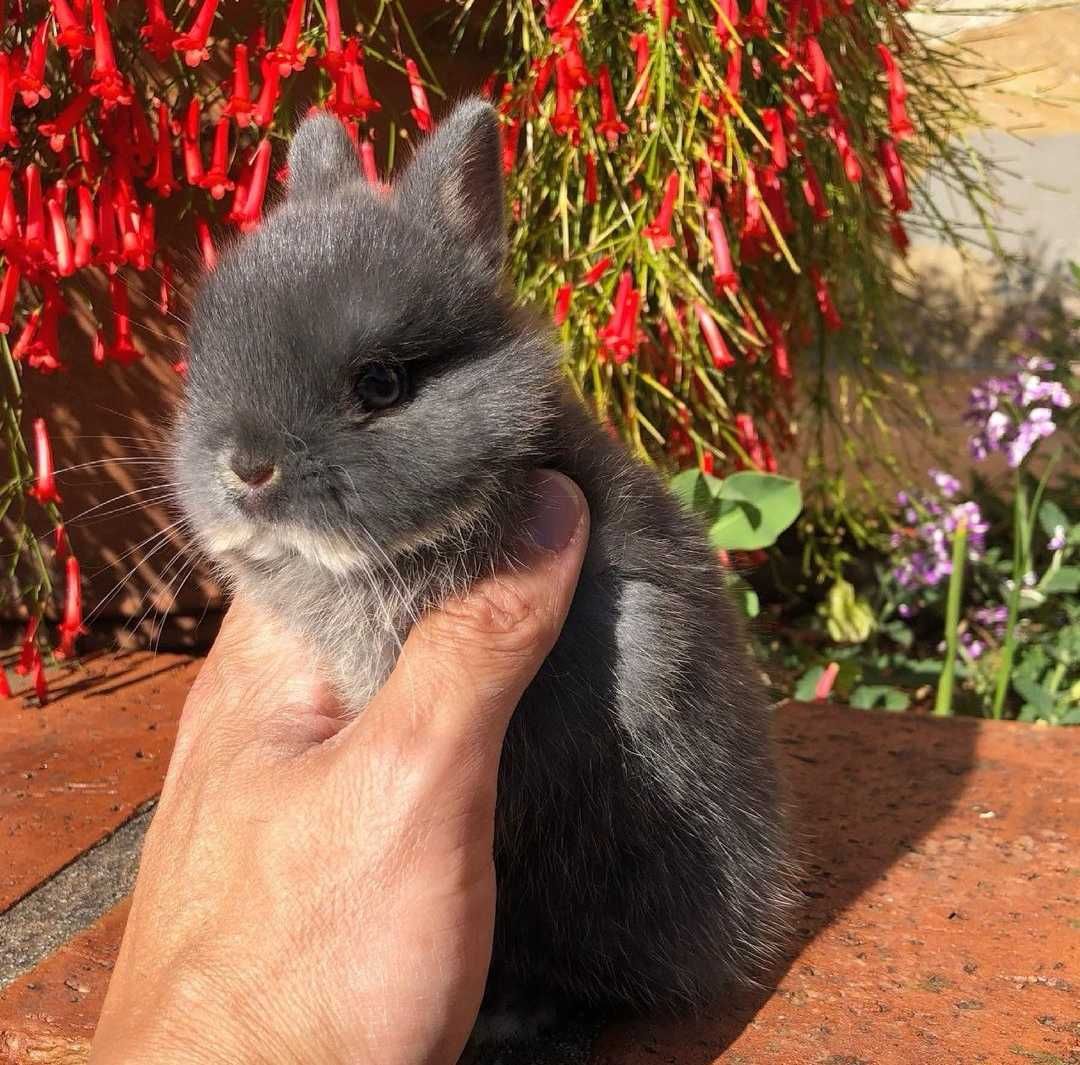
x=495, y=616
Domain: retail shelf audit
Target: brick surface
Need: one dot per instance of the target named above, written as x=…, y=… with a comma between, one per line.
x=942, y=920
x=74, y=770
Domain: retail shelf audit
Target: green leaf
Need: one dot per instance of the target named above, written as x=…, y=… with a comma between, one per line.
x=1052, y=517
x=804, y=687
x=744, y=596
x=755, y=508
x=1039, y=697
x=693, y=490
x=885, y=696
x=1067, y=579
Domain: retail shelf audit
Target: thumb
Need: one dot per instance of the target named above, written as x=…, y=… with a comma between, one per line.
x=466, y=664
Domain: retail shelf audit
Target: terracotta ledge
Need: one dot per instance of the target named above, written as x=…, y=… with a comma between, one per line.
x=942, y=880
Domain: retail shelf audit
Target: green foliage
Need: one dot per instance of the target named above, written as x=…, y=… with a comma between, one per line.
x=849, y=618
x=744, y=512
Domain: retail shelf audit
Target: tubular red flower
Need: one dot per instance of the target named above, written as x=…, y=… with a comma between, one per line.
x=611, y=124
x=41, y=684
x=511, y=136
x=367, y=162
x=9, y=289
x=108, y=243
x=610, y=334
x=813, y=192
x=71, y=627
x=565, y=120
x=61, y=240
x=825, y=304
x=333, y=57
x=559, y=13
x=733, y=74
x=770, y=119
x=28, y=652
x=239, y=104
x=568, y=42
x=563, y=296
x=757, y=22
x=898, y=235
x=5, y=688
x=73, y=36
x=363, y=101
x=714, y=340
x=899, y=123
x=893, y=166
x=163, y=180
x=821, y=72
x=158, y=33
x=216, y=179
x=420, y=110
x=727, y=19
x=707, y=463
x=747, y=436
x=192, y=44
x=31, y=81
x=596, y=271
x=65, y=121
x=658, y=232
x=34, y=229
x=106, y=81
x=590, y=178
x=268, y=95
x=724, y=277
x=86, y=230
x=620, y=336
x=838, y=132
x=193, y=162
x=44, y=490
x=290, y=55
x=642, y=56
x=260, y=173
x=122, y=349
x=28, y=336
x=781, y=360
x=7, y=100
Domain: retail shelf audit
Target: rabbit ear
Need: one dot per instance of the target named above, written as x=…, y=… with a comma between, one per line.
x=454, y=183
x=322, y=158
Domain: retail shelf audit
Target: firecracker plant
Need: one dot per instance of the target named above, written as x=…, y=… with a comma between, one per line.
x=710, y=196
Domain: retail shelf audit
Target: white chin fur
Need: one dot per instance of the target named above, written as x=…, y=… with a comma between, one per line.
x=271, y=544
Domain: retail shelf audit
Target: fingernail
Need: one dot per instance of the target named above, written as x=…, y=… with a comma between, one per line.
x=555, y=510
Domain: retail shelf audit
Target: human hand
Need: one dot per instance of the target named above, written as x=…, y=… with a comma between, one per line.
x=316, y=890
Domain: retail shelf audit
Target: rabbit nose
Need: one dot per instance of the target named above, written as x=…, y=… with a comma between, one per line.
x=254, y=471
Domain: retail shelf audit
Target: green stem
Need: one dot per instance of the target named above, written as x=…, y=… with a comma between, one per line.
x=1008, y=649
x=943, y=702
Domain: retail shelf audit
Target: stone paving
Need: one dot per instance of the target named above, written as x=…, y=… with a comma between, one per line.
x=942, y=885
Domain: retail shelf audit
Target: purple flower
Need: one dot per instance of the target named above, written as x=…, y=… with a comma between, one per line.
x=947, y=485
x=1038, y=424
x=1057, y=540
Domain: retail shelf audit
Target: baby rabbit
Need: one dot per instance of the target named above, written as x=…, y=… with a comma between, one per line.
x=364, y=405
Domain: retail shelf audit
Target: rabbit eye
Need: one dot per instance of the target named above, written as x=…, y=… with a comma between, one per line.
x=379, y=385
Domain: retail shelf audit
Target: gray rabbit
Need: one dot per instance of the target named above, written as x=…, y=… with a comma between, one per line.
x=363, y=409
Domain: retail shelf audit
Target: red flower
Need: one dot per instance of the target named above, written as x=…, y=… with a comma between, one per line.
x=733, y=74
x=596, y=271
x=122, y=349
x=290, y=55
x=106, y=81
x=216, y=179
x=727, y=19
x=7, y=101
x=206, y=243
x=86, y=230
x=71, y=627
x=158, y=32
x=558, y=13
x=562, y=302
x=260, y=173
x=193, y=162
x=28, y=652
x=894, y=174
x=108, y=243
x=899, y=236
x=568, y=42
x=658, y=232
x=192, y=44
x=707, y=463
x=44, y=490
x=65, y=122
x=590, y=178
x=838, y=132
x=724, y=277
x=367, y=162
x=821, y=72
x=610, y=124
x=620, y=336
x=9, y=289
x=714, y=339
x=72, y=36
x=34, y=230
x=899, y=123
x=268, y=94
x=813, y=192
x=781, y=361
x=824, y=301
x=757, y=22
x=642, y=55
x=770, y=119
x=163, y=180
x=5, y=688
x=41, y=685
x=748, y=439
x=31, y=82
x=565, y=120
x=239, y=104
x=61, y=240
x=333, y=58
x=420, y=110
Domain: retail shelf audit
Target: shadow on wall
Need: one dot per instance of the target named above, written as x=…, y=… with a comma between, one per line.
x=865, y=789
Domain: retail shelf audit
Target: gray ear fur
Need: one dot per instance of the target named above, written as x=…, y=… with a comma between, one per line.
x=454, y=183
x=321, y=157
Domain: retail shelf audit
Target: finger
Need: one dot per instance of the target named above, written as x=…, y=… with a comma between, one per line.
x=465, y=666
